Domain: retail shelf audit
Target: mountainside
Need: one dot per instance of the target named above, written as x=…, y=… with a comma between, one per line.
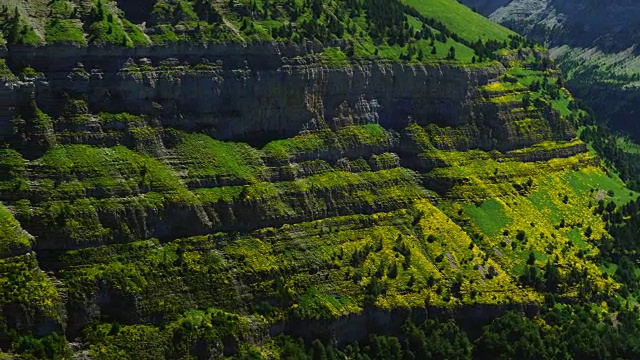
x=595, y=44
x=204, y=179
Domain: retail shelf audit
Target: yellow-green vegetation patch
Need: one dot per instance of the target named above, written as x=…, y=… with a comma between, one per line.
x=334, y=57
x=477, y=175
x=318, y=305
x=525, y=76
x=461, y=53
x=221, y=161
x=501, y=87
x=12, y=237
x=507, y=98
x=226, y=194
x=554, y=223
x=168, y=279
x=599, y=185
x=116, y=170
x=548, y=146
x=363, y=135
x=534, y=129
x=488, y=216
x=562, y=104
x=448, y=137
x=540, y=210
x=65, y=31
x=316, y=142
x=212, y=327
x=288, y=148
x=571, y=202
x=407, y=258
x=477, y=270
x=135, y=36
x=326, y=193
x=543, y=200
x=22, y=282
x=13, y=166
x=77, y=220
x=575, y=235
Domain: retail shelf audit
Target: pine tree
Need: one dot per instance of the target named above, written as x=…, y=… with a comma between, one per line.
x=526, y=101
x=100, y=11
x=552, y=277
x=318, y=351
x=452, y=53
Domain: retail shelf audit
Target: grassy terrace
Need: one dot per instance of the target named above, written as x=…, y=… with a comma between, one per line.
x=411, y=264
x=456, y=254
x=469, y=250
x=209, y=158
x=73, y=171
x=310, y=144
x=22, y=282
x=12, y=236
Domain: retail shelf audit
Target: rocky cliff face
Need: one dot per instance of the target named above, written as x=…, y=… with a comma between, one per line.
x=608, y=26
x=254, y=93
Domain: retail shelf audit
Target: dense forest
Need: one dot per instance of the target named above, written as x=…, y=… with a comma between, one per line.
x=560, y=332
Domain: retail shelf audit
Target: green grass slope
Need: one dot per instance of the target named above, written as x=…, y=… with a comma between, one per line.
x=461, y=19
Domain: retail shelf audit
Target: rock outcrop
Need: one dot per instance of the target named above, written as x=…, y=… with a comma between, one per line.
x=255, y=93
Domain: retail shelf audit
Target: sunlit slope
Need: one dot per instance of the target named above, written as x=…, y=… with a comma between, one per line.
x=461, y=19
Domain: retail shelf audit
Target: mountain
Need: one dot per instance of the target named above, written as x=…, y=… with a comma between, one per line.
x=595, y=44
x=301, y=179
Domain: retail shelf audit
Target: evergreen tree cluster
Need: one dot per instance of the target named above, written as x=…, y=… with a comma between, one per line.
x=366, y=24
x=622, y=248
x=560, y=332
x=607, y=145
x=14, y=26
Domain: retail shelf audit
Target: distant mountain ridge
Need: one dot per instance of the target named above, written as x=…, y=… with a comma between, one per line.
x=596, y=44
